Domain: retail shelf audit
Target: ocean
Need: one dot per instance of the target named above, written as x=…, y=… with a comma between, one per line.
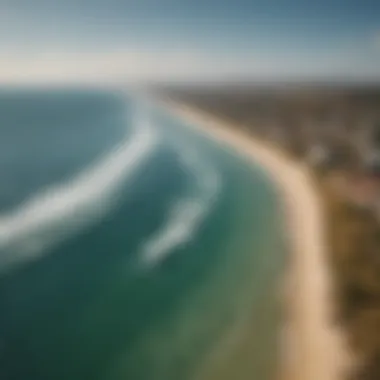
x=131, y=245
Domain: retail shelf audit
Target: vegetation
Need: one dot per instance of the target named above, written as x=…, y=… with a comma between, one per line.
x=354, y=236
x=353, y=231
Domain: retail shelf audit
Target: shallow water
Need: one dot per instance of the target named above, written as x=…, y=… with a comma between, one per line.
x=131, y=246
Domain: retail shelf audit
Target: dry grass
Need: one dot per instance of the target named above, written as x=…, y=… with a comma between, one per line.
x=354, y=234
x=354, y=237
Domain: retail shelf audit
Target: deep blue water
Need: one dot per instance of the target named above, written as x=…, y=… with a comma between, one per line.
x=130, y=245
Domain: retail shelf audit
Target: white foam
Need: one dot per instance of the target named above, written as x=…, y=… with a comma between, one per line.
x=42, y=221
x=187, y=214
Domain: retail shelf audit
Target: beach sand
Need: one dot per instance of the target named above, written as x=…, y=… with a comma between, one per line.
x=311, y=346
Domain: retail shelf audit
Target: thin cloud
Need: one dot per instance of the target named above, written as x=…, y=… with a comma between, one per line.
x=61, y=66
x=122, y=66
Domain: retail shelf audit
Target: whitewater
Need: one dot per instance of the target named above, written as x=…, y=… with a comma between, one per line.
x=186, y=214
x=63, y=209
x=130, y=245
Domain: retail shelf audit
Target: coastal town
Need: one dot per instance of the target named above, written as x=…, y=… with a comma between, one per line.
x=335, y=132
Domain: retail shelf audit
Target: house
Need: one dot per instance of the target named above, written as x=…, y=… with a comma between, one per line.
x=318, y=156
x=362, y=191
x=372, y=163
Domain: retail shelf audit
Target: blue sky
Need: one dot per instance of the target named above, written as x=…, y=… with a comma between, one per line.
x=179, y=39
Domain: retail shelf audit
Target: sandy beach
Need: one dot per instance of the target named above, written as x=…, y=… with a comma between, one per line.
x=312, y=347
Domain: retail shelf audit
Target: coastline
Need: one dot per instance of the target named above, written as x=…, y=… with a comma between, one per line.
x=311, y=345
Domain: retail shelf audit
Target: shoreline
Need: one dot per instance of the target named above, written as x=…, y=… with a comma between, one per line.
x=311, y=346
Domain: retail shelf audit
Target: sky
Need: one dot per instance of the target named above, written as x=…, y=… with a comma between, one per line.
x=169, y=40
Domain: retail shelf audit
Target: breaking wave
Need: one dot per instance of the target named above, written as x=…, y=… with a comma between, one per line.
x=187, y=214
x=61, y=210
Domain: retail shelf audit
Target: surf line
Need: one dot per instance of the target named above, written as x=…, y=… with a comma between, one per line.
x=186, y=214
x=59, y=211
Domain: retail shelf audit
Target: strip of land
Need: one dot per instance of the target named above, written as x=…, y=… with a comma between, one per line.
x=313, y=348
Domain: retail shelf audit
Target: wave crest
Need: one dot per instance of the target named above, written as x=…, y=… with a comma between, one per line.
x=186, y=215
x=61, y=210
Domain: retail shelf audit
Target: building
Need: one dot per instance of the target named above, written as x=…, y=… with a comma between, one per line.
x=318, y=156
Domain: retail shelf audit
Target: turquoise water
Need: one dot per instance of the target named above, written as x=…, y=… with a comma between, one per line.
x=131, y=247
